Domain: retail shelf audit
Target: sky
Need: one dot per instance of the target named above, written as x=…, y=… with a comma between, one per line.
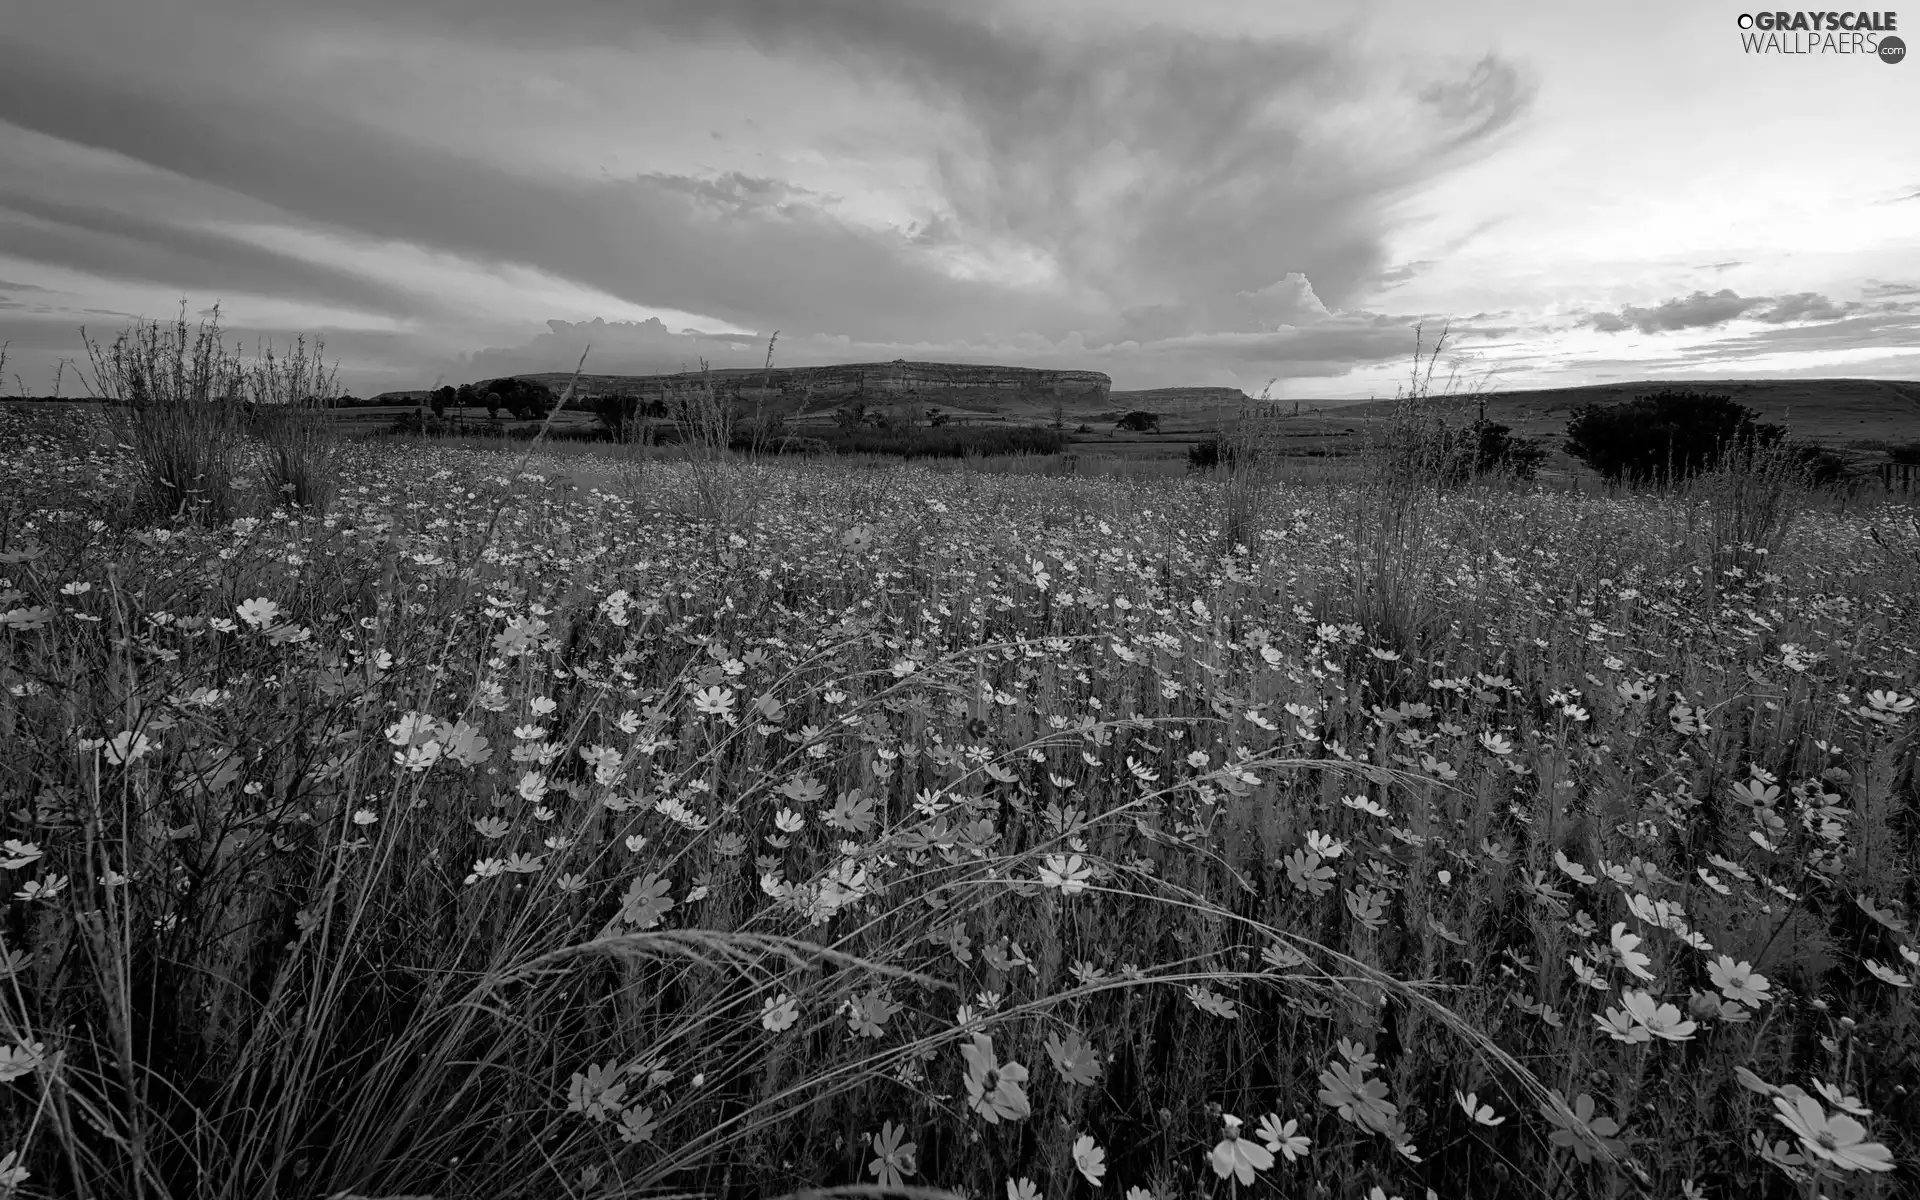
x=1262, y=194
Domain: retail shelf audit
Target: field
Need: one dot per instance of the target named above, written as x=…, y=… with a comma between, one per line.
x=510, y=823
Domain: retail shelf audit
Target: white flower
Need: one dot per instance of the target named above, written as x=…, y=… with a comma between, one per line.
x=127, y=746
x=259, y=612
x=16, y=1061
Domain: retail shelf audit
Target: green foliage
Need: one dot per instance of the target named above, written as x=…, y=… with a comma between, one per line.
x=1497, y=450
x=622, y=416
x=1908, y=454
x=1218, y=450
x=1663, y=437
x=1140, y=421
x=525, y=399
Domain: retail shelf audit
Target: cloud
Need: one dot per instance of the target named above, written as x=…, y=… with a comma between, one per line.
x=1708, y=311
x=119, y=245
x=1155, y=183
x=1803, y=306
x=1395, y=276
x=1698, y=311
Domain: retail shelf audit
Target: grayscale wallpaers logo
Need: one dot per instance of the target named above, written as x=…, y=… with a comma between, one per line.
x=1862, y=33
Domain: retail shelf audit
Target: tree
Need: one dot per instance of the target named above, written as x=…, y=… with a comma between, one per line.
x=1140, y=421
x=619, y=413
x=1664, y=437
x=438, y=400
x=526, y=399
x=464, y=396
x=493, y=405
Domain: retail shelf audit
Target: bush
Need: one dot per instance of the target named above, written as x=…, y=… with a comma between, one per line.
x=1215, y=451
x=1495, y=450
x=1140, y=421
x=1817, y=465
x=1908, y=454
x=1664, y=437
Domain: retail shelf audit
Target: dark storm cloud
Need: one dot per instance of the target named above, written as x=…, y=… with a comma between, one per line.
x=1224, y=194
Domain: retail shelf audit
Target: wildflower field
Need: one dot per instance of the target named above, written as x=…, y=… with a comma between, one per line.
x=498, y=825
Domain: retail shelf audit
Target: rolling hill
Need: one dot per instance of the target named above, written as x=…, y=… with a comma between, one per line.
x=1834, y=412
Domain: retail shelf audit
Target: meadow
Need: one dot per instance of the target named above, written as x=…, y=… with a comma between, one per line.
x=504, y=823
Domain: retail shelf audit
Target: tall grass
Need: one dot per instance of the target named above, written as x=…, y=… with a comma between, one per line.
x=485, y=836
x=289, y=401
x=179, y=400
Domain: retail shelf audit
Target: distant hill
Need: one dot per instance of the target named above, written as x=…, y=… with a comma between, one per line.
x=1832, y=411
x=899, y=381
x=1175, y=399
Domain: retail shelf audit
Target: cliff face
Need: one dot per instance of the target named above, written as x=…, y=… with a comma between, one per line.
x=949, y=383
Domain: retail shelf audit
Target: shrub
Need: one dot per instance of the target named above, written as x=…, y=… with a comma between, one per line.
x=1216, y=450
x=1140, y=421
x=1908, y=454
x=1663, y=437
x=1494, y=449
